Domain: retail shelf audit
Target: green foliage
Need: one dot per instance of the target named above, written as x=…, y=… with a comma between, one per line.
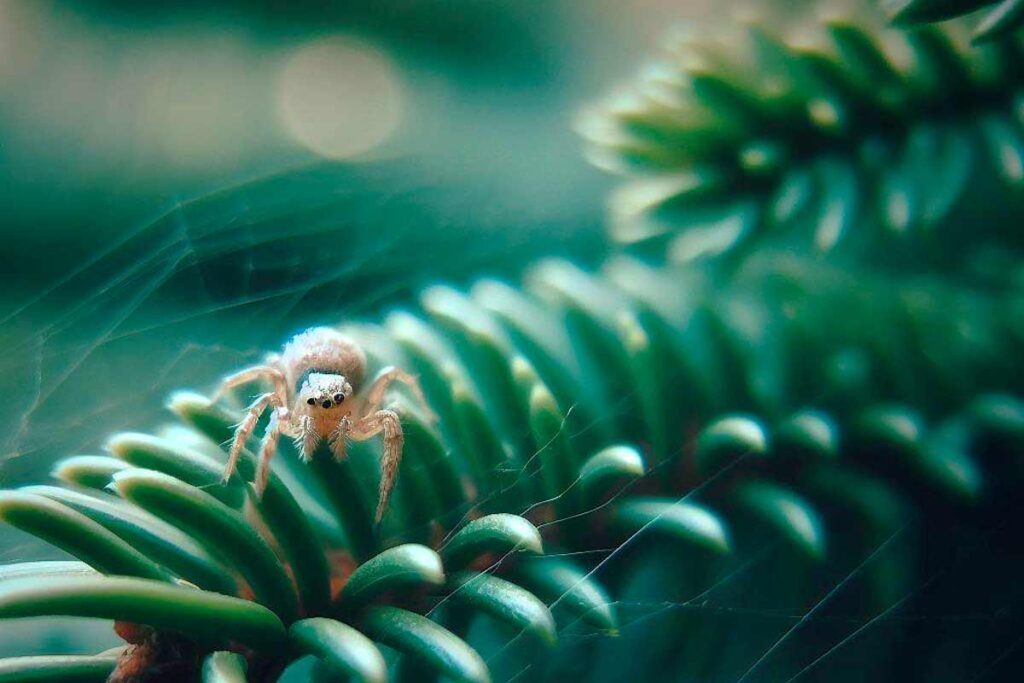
x=204, y=615
x=60, y=669
x=224, y=667
x=645, y=472
x=341, y=647
x=841, y=136
x=713, y=424
x=1005, y=17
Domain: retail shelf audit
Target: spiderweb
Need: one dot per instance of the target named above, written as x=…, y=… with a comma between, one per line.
x=213, y=283
x=216, y=281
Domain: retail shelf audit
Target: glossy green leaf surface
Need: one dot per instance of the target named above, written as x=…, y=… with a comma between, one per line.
x=608, y=471
x=728, y=440
x=153, y=453
x=77, y=534
x=426, y=642
x=497, y=534
x=20, y=570
x=218, y=527
x=788, y=513
x=159, y=540
x=561, y=583
x=90, y=471
x=504, y=601
x=201, y=614
x=56, y=669
x=401, y=568
x=347, y=651
x=691, y=524
x=293, y=529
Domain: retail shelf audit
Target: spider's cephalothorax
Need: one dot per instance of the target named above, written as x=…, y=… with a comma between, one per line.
x=318, y=394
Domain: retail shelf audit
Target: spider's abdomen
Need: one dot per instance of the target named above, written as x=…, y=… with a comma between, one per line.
x=324, y=350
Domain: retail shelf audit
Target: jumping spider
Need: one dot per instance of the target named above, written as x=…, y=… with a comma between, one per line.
x=317, y=381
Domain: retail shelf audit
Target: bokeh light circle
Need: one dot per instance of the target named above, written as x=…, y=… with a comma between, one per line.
x=339, y=96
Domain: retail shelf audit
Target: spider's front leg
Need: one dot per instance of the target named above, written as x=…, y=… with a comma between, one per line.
x=280, y=421
x=388, y=423
x=277, y=398
x=268, y=372
x=384, y=380
x=244, y=430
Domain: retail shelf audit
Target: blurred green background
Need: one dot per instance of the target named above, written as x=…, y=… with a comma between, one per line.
x=198, y=179
x=113, y=112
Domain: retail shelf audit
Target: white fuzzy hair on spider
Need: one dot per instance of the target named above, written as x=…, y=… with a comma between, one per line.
x=318, y=394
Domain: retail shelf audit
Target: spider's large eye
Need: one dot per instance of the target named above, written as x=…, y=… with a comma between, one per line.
x=310, y=401
x=338, y=398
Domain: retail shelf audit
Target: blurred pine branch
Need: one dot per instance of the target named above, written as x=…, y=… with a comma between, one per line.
x=841, y=136
x=1005, y=17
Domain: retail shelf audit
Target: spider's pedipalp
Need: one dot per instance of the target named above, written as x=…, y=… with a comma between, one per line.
x=306, y=438
x=339, y=438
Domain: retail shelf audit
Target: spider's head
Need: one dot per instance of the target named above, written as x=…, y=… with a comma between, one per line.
x=324, y=390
